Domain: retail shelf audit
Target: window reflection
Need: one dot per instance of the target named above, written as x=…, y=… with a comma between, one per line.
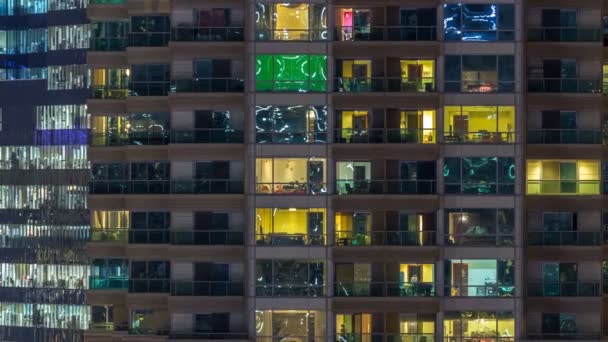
x=291, y=124
x=479, y=175
x=479, y=22
x=291, y=73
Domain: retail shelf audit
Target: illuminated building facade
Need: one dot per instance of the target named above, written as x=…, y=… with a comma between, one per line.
x=344, y=170
x=44, y=220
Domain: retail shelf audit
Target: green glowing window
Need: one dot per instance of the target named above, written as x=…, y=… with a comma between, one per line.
x=291, y=73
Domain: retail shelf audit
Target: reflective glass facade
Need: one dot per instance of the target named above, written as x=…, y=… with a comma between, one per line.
x=44, y=220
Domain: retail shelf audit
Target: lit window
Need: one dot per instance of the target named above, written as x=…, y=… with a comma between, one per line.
x=291, y=73
x=479, y=124
x=563, y=177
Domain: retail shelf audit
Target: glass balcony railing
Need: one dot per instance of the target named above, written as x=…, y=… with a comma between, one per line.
x=474, y=239
x=404, y=337
x=480, y=86
x=571, y=336
x=148, y=236
x=211, y=186
x=108, y=92
x=389, y=33
x=564, y=238
x=395, y=187
x=292, y=35
x=148, y=39
x=207, y=237
x=109, y=235
x=385, y=136
x=194, y=136
x=480, y=137
x=292, y=188
x=385, y=238
x=149, y=285
x=283, y=239
x=289, y=290
x=383, y=289
x=563, y=34
x=206, y=288
x=107, y=2
x=564, y=136
x=563, y=289
x=108, y=283
x=151, y=88
x=384, y=84
x=199, y=335
x=481, y=290
x=208, y=85
x=564, y=85
x=290, y=137
x=563, y=187
x=207, y=34
x=108, y=44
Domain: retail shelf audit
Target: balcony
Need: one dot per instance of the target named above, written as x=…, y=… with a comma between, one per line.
x=398, y=337
x=206, y=288
x=306, y=35
x=385, y=136
x=289, y=290
x=208, y=85
x=564, y=238
x=148, y=236
x=148, y=39
x=383, y=289
x=485, y=290
x=480, y=137
x=385, y=33
x=149, y=285
x=211, y=186
x=291, y=188
x=108, y=44
x=283, y=239
x=563, y=187
x=563, y=34
x=384, y=84
x=149, y=88
x=386, y=238
x=564, y=85
x=195, y=136
x=572, y=336
x=479, y=239
x=564, y=136
x=563, y=289
x=207, y=34
x=108, y=93
x=109, y=235
x=108, y=283
x=207, y=238
x=197, y=335
x=392, y=187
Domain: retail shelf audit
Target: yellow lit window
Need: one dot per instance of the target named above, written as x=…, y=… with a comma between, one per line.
x=353, y=228
x=103, y=219
x=418, y=124
x=479, y=124
x=418, y=75
x=357, y=68
x=566, y=177
x=290, y=226
x=360, y=323
x=417, y=273
x=290, y=175
x=291, y=21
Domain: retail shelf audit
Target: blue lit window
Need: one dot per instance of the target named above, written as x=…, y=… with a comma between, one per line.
x=479, y=22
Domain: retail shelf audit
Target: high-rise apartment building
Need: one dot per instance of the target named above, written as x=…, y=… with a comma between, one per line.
x=44, y=220
x=399, y=170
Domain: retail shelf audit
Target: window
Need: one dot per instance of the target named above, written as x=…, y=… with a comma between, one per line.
x=41, y=196
x=294, y=176
x=134, y=129
x=479, y=22
x=465, y=325
x=66, y=77
x=291, y=73
x=291, y=124
x=479, y=73
x=355, y=75
x=149, y=30
x=480, y=278
x=284, y=324
x=61, y=117
x=109, y=274
x=109, y=225
x=417, y=75
x=43, y=157
x=289, y=278
x=563, y=177
x=479, y=124
x=69, y=37
x=26, y=41
x=149, y=80
x=149, y=276
x=109, y=35
x=291, y=21
x=479, y=227
x=110, y=83
x=353, y=228
x=44, y=276
x=558, y=324
x=355, y=24
x=290, y=227
x=353, y=177
x=479, y=175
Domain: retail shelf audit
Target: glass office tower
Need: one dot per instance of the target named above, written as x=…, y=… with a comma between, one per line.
x=44, y=221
